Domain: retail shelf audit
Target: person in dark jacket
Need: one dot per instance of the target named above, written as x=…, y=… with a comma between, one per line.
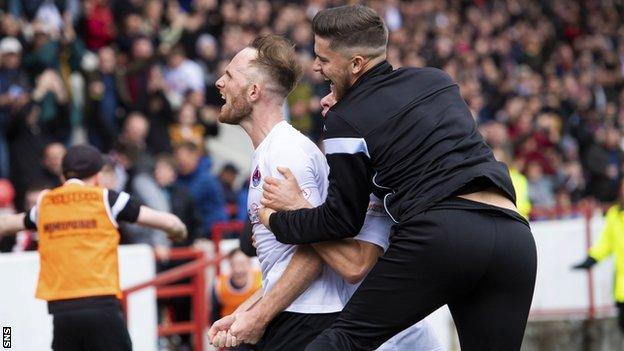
x=101, y=118
x=52, y=164
x=180, y=200
x=194, y=175
x=27, y=141
x=408, y=137
x=603, y=160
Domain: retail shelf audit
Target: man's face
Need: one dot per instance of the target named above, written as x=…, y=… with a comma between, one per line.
x=142, y=49
x=333, y=65
x=136, y=128
x=164, y=173
x=53, y=158
x=11, y=60
x=233, y=86
x=175, y=60
x=240, y=267
x=186, y=161
x=107, y=60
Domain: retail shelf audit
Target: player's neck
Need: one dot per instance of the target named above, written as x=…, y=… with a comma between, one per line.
x=262, y=121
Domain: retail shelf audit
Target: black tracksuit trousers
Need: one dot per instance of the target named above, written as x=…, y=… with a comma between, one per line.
x=479, y=259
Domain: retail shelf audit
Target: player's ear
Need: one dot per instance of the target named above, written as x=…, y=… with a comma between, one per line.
x=254, y=92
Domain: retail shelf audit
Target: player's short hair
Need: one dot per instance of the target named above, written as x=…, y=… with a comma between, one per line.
x=352, y=27
x=278, y=60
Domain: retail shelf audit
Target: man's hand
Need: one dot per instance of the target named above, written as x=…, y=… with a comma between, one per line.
x=220, y=326
x=283, y=195
x=248, y=327
x=225, y=339
x=586, y=264
x=11, y=224
x=178, y=231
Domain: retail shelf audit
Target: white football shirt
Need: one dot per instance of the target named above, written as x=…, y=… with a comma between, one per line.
x=284, y=146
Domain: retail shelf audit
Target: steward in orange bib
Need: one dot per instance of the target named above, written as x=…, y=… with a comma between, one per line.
x=78, y=239
x=231, y=290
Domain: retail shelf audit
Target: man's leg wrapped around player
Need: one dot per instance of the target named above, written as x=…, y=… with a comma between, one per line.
x=293, y=331
x=480, y=261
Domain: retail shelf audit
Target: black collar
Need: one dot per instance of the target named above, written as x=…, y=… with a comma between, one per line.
x=382, y=67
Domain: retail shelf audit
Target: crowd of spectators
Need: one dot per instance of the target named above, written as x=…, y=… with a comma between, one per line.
x=135, y=78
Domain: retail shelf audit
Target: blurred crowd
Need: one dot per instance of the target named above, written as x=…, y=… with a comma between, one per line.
x=136, y=79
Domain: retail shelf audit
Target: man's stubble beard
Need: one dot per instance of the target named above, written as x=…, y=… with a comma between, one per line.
x=341, y=86
x=237, y=111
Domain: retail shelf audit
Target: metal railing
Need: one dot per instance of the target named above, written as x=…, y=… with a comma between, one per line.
x=196, y=289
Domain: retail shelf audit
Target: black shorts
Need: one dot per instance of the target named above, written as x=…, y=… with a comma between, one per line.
x=291, y=331
x=96, y=327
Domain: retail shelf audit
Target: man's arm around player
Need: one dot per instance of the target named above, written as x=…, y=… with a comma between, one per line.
x=350, y=258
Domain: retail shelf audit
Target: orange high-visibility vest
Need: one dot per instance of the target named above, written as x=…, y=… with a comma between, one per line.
x=78, y=242
x=231, y=298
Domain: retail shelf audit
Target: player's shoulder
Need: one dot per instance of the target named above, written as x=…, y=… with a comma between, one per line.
x=289, y=142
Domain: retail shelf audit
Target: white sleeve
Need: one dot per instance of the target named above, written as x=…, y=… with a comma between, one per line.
x=377, y=225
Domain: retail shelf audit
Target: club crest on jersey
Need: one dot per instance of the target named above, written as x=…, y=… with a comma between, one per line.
x=256, y=177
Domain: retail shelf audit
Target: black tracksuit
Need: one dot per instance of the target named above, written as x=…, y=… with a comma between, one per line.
x=407, y=136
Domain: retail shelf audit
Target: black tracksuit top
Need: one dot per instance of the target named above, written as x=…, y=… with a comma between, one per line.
x=405, y=135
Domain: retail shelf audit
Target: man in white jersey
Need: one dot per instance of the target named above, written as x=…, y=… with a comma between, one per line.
x=295, y=281
x=276, y=144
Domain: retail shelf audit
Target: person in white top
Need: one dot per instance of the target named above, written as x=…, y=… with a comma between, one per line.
x=300, y=295
x=282, y=146
x=277, y=143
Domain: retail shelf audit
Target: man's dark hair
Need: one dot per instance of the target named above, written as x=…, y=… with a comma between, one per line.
x=277, y=58
x=351, y=26
x=82, y=161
